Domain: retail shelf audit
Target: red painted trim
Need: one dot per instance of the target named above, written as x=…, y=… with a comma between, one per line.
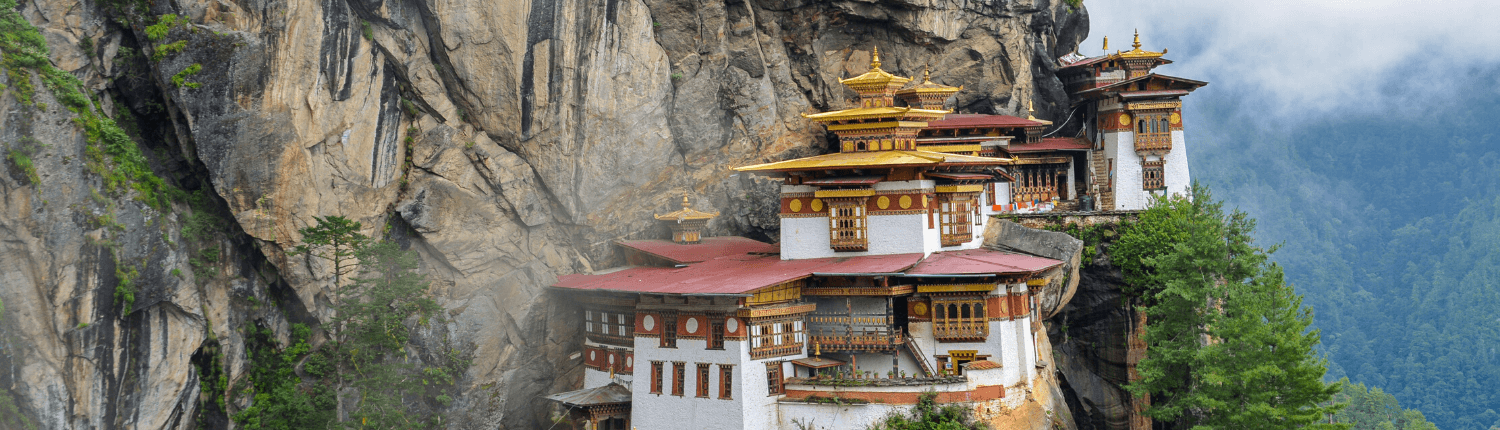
x=991, y=392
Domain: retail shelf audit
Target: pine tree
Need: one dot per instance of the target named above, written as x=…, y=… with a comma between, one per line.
x=1227, y=339
x=337, y=240
x=392, y=295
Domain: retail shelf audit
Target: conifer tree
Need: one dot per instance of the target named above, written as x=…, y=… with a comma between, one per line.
x=337, y=240
x=392, y=295
x=1228, y=345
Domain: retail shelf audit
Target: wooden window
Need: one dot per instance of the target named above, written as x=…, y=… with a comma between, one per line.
x=776, y=338
x=726, y=381
x=847, y=224
x=773, y=378
x=655, y=377
x=609, y=327
x=703, y=380
x=960, y=318
x=679, y=375
x=1152, y=131
x=1153, y=175
x=955, y=217
x=668, y=330
x=716, y=332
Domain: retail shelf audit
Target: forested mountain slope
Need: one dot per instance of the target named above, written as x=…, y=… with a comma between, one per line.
x=1391, y=228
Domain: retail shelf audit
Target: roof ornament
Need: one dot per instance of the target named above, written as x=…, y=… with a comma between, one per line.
x=1137, y=44
x=1106, y=44
x=875, y=59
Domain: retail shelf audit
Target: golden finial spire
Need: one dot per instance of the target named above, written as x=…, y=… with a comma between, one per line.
x=1137, y=44
x=875, y=59
x=1106, y=44
x=685, y=203
x=927, y=73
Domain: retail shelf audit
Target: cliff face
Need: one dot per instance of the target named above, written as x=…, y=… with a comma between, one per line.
x=508, y=142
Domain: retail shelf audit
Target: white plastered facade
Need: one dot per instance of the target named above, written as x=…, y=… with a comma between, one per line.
x=808, y=237
x=750, y=408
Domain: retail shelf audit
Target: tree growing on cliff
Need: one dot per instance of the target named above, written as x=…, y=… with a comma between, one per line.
x=1228, y=344
x=338, y=241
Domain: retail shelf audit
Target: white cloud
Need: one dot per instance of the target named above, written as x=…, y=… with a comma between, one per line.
x=1304, y=58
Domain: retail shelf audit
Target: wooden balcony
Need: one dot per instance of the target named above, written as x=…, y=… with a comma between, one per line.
x=961, y=330
x=867, y=340
x=776, y=351
x=1153, y=142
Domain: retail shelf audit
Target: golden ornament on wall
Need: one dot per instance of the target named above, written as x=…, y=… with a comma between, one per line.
x=1124, y=119
x=795, y=205
x=883, y=202
x=1176, y=118
x=919, y=309
x=905, y=202
x=924, y=201
x=817, y=205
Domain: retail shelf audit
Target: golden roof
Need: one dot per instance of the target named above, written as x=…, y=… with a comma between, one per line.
x=872, y=159
x=875, y=77
x=686, y=213
x=889, y=112
x=928, y=86
x=1137, y=53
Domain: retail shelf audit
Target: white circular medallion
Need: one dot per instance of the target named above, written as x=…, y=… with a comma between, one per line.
x=649, y=323
x=629, y=361
x=591, y=356
x=733, y=325
x=692, y=325
x=611, y=359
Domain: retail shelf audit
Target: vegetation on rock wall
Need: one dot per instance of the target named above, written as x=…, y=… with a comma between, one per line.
x=364, y=373
x=1227, y=340
x=927, y=415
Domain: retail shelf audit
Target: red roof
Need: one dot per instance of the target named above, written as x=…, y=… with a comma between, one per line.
x=1153, y=93
x=1049, y=144
x=981, y=261
x=735, y=274
x=959, y=176
x=708, y=248
x=845, y=180
x=980, y=121
x=982, y=365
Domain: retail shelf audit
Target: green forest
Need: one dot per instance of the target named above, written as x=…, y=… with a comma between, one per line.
x=1389, y=224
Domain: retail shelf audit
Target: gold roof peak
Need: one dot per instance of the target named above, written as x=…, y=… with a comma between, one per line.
x=1031, y=109
x=874, y=79
x=687, y=213
x=1137, y=52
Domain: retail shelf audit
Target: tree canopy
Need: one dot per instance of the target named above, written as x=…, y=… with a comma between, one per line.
x=1228, y=345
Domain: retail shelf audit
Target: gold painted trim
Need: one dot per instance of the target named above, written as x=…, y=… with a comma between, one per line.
x=878, y=212
x=1153, y=105
x=882, y=124
x=955, y=288
x=824, y=194
x=806, y=215
x=959, y=188
x=778, y=311
x=950, y=148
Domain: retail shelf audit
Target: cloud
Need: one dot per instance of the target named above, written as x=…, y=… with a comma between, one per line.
x=1307, y=58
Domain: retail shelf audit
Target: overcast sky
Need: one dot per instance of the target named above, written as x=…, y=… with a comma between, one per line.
x=1306, y=58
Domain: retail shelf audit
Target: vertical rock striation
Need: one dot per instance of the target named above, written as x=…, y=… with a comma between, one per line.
x=511, y=140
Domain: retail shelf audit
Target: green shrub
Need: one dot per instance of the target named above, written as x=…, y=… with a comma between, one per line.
x=163, y=25
x=180, y=79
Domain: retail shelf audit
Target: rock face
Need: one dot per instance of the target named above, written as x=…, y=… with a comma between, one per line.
x=510, y=142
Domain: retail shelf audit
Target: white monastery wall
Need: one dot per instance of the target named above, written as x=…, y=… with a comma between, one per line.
x=1176, y=170
x=759, y=411
x=819, y=416
x=803, y=238
x=1128, y=192
x=688, y=412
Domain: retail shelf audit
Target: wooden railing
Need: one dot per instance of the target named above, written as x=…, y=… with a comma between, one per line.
x=1153, y=142
x=866, y=340
x=911, y=345
x=950, y=330
x=775, y=351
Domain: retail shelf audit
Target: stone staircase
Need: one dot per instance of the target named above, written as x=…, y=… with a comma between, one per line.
x=1101, y=186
